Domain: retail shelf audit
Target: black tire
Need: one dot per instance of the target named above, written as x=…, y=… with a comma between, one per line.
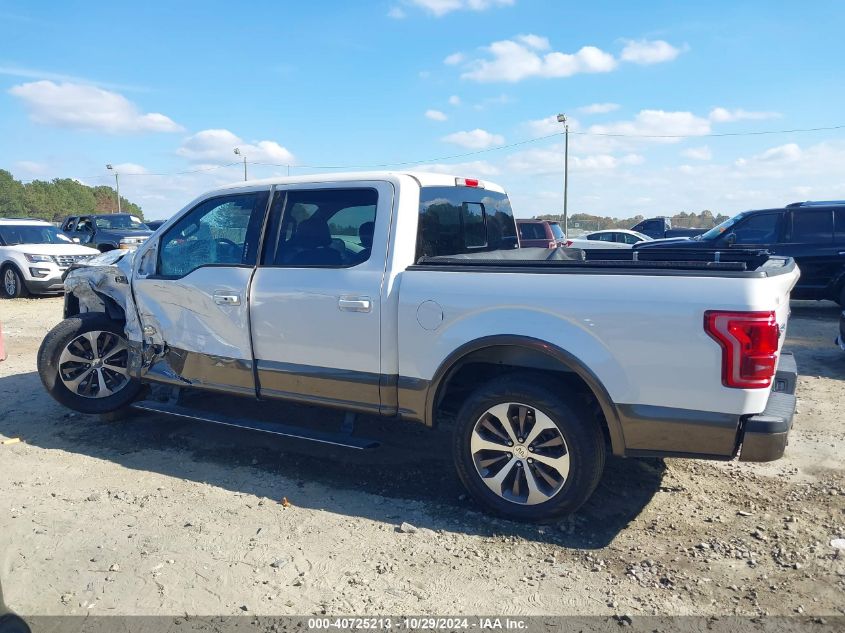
x=51, y=350
x=578, y=426
x=20, y=289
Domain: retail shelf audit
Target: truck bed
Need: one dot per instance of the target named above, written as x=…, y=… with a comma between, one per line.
x=730, y=263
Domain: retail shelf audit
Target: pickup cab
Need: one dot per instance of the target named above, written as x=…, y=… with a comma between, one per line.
x=403, y=295
x=106, y=232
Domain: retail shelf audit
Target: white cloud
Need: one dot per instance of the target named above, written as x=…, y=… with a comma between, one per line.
x=698, y=153
x=723, y=115
x=397, y=13
x=85, y=107
x=36, y=73
x=790, y=152
x=657, y=123
x=515, y=60
x=647, y=52
x=454, y=59
x=465, y=170
x=218, y=146
x=129, y=168
x=454, y=100
x=30, y=168
x=537, y=42
x=475, y=139
x=440, y=8
x=435, y=115
x=547, y=161
x=599, y=108
x=546, y=126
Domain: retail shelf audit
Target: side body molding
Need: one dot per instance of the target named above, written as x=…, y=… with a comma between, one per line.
x=565, y=359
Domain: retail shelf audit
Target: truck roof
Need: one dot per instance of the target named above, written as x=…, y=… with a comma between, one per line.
x=424, y=178
x=25, y=221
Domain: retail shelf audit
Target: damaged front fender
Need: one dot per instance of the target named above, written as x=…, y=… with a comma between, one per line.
x=101, y=284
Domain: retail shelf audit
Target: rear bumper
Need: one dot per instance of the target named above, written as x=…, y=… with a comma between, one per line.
x=764, y=436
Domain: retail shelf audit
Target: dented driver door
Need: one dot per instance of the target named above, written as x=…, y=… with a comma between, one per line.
x=191, y=289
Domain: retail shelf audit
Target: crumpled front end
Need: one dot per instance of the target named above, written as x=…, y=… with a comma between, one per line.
x=101, y=284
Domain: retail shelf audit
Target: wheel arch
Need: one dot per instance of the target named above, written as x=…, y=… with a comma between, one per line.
x=529, y=353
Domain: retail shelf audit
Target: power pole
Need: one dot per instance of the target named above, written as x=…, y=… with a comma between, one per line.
x=238, y=152
x=116, y=183
x=561, y=118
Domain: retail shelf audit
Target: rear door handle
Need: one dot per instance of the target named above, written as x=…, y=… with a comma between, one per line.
x=227, y=300
x=354, y=304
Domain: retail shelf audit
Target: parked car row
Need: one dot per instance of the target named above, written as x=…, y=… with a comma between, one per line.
x=812, y=233
x=34, y=255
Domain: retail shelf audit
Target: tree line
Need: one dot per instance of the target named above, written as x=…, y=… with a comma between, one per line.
x=53, y=200
x=703, y=220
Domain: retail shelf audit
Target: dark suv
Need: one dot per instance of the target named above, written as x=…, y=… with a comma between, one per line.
x=106, y=232
x=813, y=233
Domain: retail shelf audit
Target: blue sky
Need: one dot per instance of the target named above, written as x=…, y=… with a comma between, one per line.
x=161, y=88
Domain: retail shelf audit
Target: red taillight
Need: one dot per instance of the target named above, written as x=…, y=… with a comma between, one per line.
x=568, y=243
x=469, y=182
x=749, y=342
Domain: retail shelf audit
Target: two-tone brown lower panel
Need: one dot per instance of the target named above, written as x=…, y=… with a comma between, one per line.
x=651, y=430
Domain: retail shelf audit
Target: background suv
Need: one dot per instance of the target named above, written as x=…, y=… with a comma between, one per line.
x=108, y=231
x=33, y=256
x=540, y=234
x=813, y=233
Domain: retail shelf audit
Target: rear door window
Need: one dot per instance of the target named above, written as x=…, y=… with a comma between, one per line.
x=812, y=226
x=327, y=228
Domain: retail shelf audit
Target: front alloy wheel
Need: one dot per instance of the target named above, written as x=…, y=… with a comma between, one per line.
x=94, y=364
x=84, y=364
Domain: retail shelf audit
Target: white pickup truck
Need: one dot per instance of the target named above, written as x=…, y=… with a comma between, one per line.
x=406, y=295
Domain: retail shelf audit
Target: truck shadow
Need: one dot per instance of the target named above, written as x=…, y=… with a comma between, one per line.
x=409, y=478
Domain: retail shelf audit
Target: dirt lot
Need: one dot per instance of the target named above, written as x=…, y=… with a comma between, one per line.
x=155, y=516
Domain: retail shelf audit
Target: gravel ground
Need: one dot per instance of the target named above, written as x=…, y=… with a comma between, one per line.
x=155, y=516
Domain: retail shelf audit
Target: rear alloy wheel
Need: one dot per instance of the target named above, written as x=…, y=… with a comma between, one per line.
x=13, y=284
x=527, y=447
x=519, y=453
x=84, y=364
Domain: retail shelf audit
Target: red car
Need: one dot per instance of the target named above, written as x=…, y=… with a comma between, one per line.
x=540, y=234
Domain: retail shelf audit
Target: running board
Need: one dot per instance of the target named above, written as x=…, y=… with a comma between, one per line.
x=345, y=440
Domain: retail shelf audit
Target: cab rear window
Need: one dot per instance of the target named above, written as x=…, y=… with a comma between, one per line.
x=455, y=220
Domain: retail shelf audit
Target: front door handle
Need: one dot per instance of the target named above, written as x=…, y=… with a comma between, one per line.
x=354, y=304
x=227, y=299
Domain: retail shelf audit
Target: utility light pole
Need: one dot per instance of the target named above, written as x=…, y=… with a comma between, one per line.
x=561, y=118
x=116, y=184
x=238, y=152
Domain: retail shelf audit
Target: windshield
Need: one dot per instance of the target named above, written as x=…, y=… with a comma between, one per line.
x=557, y=231
x=126, y=222
x=31, y=234
x=718, y=230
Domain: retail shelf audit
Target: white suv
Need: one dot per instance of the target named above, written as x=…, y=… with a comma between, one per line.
x=33, y=256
